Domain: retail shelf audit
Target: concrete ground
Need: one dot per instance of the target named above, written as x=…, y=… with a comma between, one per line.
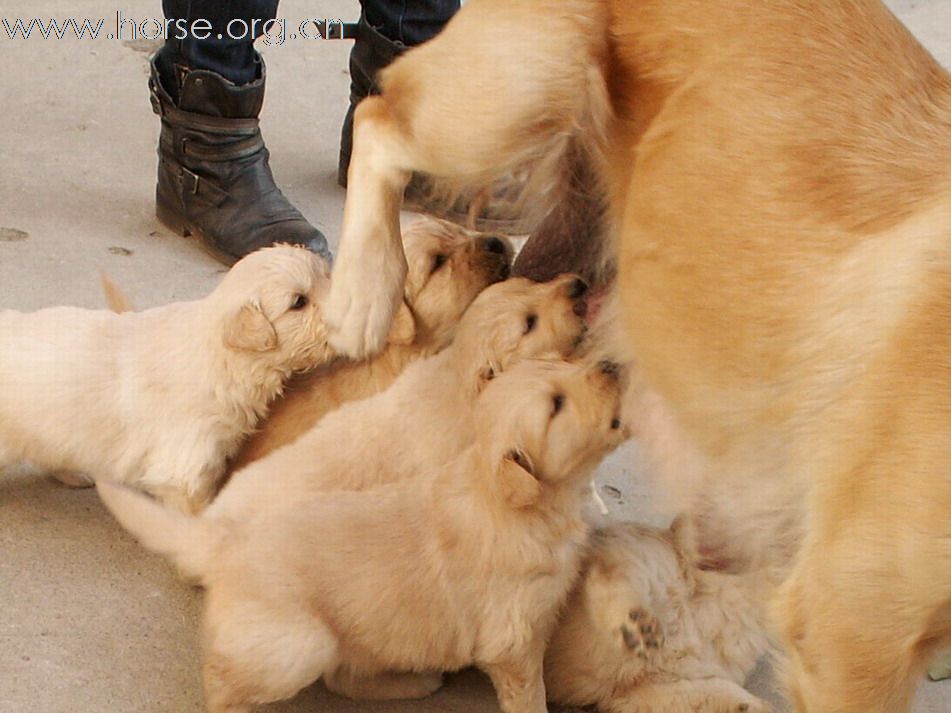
x=89, y=622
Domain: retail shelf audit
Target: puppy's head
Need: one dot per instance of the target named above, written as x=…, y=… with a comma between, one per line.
x=546, y=424
x=520, y=319
x=269, y=305
x=447, y=267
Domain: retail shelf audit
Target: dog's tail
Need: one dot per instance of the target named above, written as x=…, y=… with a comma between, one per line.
x=190, y=542
x=116, y=299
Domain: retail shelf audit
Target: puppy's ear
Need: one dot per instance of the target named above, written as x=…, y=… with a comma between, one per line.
x=250, y=330
x=403, y=330
x=517, y=481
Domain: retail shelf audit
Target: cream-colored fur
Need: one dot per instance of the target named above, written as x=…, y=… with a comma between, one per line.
x=425, y=416
x=160, y=398
x=467, y=567
x=778, y=176
x=448, y=267
x=646, y=630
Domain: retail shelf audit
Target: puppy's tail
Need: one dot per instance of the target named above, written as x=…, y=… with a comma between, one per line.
x=190, y=542
x=116, y=299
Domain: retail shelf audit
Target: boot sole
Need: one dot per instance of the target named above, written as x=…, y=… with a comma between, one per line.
x=180, y=226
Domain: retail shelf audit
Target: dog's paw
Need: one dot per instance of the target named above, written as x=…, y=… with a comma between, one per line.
x=420, y=685
x=74, y=479
x=361, y=307
x=751, y=704
x=641, y=632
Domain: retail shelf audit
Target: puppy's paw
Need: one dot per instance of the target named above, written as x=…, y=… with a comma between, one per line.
x=362, y=304
x=420, y=685
x=641, y=632
x=74, y=479
x=749, y=704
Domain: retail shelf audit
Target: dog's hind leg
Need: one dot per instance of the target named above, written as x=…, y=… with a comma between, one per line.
x=508, y=85
x=255, y=655
x=849, y=618
x=868, y=604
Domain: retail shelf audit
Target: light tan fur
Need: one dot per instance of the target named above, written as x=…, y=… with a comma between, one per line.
x=778, y=176
x=116, y=299
x=160, y=398
x=448, y=267
x=646, y=630
x=425, y=416
x=467, y=567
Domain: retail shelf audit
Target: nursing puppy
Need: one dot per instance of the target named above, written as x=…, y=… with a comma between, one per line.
x=160, y=398
x=646, y=630
x=466, y=567
x=425, y=416
x=777, y=185
x=448, y=267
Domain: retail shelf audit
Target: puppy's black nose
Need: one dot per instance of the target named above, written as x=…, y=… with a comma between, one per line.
x=495, y=245
x=577, y=288
x=610, y=368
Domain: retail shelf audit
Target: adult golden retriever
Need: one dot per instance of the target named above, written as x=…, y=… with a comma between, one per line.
x=777, y=177
x=466, y=567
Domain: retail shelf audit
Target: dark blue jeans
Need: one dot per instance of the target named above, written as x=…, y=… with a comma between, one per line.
x=408, y=22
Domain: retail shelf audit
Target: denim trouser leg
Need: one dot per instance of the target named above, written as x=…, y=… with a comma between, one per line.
x=238, y=22
x=410, y=22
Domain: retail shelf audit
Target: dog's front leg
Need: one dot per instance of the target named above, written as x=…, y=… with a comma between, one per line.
x=367, y=282
x=518, y=682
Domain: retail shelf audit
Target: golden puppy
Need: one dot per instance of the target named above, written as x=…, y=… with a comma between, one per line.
x=647, y=631
x=425, y=416
x=466, y=567
x=448, y=267
x=160, y=398
x=777, y=180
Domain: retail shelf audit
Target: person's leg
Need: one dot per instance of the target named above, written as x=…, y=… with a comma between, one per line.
x=385, y=30
x=214, y=181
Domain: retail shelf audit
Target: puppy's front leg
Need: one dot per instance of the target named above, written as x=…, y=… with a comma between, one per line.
x=367, y=282
x=518, y=682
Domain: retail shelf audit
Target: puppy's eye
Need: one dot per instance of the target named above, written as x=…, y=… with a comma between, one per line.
x=300, y=301
x=438, y=262
x=615, y=424
x=557, y=402
x=530, y=322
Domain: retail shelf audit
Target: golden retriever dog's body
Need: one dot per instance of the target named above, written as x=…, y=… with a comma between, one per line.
x=448, y=267
x=778, y=181
x=467, y=567
x=647, y=631
x=160, y=398
x=426, y=415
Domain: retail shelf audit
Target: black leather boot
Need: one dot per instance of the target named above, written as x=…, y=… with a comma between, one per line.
x=214, y=181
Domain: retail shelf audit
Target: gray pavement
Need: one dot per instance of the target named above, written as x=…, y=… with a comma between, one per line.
x=89, y=622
